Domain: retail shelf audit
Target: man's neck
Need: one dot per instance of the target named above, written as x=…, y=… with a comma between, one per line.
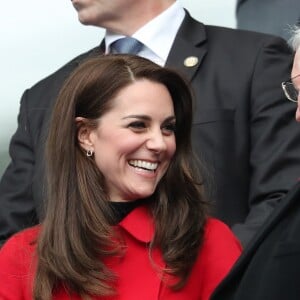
x=141, y=15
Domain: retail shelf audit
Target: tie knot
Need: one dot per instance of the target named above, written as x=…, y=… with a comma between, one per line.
x=126, y=45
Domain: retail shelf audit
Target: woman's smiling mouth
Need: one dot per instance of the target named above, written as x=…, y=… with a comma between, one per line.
x=142, y=164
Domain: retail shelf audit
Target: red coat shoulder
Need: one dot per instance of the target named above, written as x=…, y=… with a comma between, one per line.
x=17, y=264
x=219, y=252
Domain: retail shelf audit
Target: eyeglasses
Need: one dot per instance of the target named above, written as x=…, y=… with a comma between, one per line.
x=290, y=91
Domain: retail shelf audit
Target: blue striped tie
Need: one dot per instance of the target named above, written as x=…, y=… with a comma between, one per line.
x=126, y=45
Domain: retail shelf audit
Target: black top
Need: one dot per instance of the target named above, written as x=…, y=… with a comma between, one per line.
x=122, y=209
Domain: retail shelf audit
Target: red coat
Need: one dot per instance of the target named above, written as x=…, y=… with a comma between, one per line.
x=138, y=279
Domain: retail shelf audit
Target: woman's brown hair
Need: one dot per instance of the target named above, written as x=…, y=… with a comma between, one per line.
x=76, y=234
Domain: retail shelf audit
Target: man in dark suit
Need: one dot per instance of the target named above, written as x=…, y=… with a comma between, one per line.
x=268, y=16
x=243, y=130
x=269, y=267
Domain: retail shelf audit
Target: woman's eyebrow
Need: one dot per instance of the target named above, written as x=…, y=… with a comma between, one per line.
x=144, y=117
x=148, y=118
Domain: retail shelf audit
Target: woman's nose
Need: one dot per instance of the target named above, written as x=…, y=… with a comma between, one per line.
x=156, y=142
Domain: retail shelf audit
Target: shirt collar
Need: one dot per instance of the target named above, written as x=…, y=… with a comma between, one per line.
x=157, y=35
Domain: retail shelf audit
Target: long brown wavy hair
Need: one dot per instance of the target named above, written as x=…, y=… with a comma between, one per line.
x=76, y=233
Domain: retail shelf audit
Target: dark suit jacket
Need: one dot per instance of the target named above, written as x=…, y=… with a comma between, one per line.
x=270, y=267
x=244, y=129
x=268, y=16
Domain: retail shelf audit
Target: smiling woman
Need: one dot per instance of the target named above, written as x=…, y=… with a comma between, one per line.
x=134, y=141
x=126, y=217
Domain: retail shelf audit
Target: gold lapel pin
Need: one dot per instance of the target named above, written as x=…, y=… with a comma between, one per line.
x=191, y=61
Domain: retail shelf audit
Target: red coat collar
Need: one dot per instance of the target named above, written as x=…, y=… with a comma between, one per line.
x=139, y=223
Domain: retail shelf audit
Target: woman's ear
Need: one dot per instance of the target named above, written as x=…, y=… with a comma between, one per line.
x=84, y=131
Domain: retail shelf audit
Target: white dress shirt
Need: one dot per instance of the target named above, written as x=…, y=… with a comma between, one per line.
x=157, y=35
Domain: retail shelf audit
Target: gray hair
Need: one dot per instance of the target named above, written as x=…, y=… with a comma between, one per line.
x=294, y=41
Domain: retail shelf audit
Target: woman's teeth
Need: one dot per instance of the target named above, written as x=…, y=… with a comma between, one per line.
x=143, y=164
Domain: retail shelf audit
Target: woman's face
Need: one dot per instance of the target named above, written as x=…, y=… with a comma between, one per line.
x=135, y=140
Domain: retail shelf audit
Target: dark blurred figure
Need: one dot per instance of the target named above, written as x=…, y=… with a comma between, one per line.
x=268, y=16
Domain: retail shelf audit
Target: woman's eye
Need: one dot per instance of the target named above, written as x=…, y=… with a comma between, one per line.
x=170, y=128
x=137, y=125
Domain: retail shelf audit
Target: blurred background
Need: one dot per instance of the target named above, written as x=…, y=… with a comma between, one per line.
x=39, y=36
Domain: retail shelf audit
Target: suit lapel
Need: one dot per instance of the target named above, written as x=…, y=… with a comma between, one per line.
x=189, y=47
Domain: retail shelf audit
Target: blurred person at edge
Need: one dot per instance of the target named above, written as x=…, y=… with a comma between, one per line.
x=269, y=268
x=268, y=16
x=243, y=131
x=126, y=217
